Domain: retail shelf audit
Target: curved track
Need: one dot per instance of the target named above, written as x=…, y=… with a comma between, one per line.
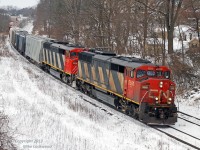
x=186, y=130
x=176, y=138
x=189, y=118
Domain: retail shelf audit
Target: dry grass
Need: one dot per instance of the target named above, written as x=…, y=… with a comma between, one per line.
x=5, y=137
x=4, y=51
x=31, y=73
x=85, y=111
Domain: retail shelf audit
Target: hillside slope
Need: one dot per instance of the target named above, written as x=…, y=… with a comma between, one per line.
x=46, y=114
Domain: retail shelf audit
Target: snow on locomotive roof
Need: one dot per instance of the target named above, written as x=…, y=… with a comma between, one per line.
x=122, y=61
x=129, y=61
x=102, y=52
x=102, y=57
x=132, y=62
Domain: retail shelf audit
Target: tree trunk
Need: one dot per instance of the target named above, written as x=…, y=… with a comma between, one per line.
x=171, y=17
x=145, y=29
x=198, y=33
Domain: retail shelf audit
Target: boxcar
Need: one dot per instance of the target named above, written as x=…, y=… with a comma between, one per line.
x=34, y=46
x=22, y=42
x=13, y=35
x=17, y=38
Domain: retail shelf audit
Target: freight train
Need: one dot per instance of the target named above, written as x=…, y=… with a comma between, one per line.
x=134, y=86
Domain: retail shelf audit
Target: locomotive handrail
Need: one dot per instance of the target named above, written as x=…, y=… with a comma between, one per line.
x=143, y=98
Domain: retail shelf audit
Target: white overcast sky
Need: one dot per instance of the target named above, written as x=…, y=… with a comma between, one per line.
x=18, y=3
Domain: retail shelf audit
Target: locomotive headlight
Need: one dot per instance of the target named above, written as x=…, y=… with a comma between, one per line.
x=161, y=84
x=156, y=100
x=169, y=100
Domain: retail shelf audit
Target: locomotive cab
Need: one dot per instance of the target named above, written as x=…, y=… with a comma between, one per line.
x=71, y=60
x=152, y=88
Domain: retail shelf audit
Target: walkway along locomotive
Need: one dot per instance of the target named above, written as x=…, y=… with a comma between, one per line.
x=135, y=86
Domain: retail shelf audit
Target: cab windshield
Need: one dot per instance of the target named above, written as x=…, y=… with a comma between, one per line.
x=152, y=73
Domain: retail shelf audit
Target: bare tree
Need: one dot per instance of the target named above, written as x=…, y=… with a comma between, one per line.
x=195, y=8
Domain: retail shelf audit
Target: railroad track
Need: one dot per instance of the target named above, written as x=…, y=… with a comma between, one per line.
x=154, y=127
x=193, y=120
x=159, y=128
x=177, y=138
x=181, y=134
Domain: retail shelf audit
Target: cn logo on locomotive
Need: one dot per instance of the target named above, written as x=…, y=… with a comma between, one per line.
x=153, y=93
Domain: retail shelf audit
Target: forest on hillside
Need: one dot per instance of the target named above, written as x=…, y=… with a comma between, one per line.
x=7, y=12
x=144, y=27
x=123, y=25
x=4, y=19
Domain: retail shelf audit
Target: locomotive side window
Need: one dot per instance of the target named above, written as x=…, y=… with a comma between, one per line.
x=73, y=54
x=132, y=74
x=167, y=74
x=141, y=73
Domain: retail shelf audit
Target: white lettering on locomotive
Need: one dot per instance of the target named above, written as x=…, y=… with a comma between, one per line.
x=153, y=93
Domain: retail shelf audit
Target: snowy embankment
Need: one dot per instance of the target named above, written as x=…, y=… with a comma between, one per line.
x=46, y=114
x=29, y=27
x=190, y=102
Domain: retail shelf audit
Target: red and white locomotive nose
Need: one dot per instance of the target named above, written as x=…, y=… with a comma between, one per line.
x=161, y=91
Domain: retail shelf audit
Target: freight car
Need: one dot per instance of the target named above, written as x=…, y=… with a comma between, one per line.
x=22, y=42
x=12, y=35
x=34, y=47
x=135, y=86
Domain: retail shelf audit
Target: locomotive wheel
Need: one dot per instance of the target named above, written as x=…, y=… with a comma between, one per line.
x=47, y=69
x=117, y=104
x=89, y=90
x=64, y=78
x=132, y=110
x=84, y=89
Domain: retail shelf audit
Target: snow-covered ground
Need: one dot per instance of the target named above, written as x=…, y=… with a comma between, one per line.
x=29, y=27
x=46, y=114
x=190, y=102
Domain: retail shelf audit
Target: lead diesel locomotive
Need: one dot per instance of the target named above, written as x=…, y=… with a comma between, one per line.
x=135, y=86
